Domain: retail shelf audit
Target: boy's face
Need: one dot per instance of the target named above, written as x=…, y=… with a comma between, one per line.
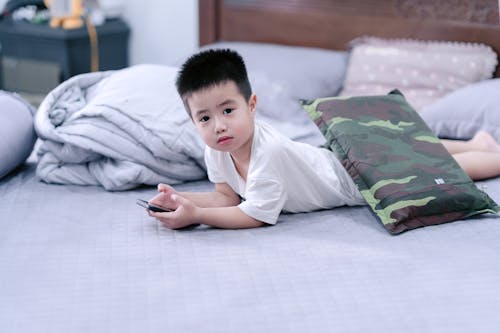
x=224, y=119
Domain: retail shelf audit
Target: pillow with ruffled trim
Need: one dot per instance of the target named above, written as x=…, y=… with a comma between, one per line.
x=423, y=71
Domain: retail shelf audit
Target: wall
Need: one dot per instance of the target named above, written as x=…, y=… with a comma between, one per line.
x=162, y=31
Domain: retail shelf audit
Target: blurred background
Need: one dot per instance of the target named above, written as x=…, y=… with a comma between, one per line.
x=161, y=30
x=128, y=32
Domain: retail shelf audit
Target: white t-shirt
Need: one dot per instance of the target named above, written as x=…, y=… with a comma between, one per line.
x=284, y=175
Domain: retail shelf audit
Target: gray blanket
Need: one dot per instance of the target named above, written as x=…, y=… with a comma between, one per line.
x=118, y=129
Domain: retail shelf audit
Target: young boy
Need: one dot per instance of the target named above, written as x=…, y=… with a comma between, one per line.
x=258, y=172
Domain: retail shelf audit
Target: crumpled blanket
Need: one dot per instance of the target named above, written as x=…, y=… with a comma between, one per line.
x=118, y=129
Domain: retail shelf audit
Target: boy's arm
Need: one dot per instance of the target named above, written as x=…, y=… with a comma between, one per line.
x=226, y=217
x=187, y=212
x=217, y=209
x=223, y=196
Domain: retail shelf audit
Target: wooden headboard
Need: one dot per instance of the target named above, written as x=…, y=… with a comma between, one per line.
x=332, y=24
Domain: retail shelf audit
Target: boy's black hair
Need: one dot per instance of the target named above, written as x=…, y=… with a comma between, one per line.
x=212, y=67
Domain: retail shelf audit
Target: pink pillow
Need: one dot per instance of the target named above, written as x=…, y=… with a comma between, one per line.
x=422, y=70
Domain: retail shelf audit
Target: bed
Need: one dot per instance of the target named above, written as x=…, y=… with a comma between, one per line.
x=86, y=259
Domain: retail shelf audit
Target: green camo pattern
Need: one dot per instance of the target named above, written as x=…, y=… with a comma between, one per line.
x=401, y=168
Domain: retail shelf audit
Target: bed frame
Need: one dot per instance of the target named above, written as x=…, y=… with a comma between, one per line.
x=332, y=24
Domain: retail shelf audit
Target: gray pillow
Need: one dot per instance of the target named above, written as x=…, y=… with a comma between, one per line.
x=460, y=114
x=17, y=135
x=304, y=72
x=282, y=75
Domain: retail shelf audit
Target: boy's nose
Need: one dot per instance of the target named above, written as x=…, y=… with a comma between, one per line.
x=220, y=126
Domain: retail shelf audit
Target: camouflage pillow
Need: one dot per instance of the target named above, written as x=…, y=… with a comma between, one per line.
x=402, y=170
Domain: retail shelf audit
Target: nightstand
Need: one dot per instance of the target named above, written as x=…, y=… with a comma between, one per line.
x=36, y=58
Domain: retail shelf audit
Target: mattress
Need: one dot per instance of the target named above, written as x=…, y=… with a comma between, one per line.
x=81, y=259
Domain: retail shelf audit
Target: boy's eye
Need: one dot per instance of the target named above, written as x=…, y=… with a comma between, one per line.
x=228, y=111
x=204, y=119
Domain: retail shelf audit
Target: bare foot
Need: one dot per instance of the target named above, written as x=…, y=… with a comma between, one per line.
x=484, y=141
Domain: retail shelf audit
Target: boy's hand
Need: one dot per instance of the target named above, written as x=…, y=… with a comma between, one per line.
x=183, y=215
x=164, y=197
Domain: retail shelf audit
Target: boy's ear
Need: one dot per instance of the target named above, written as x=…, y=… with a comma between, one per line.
x=186, y=107
x=252, y=103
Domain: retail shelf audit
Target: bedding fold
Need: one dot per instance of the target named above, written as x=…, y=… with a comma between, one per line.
x=118, y=129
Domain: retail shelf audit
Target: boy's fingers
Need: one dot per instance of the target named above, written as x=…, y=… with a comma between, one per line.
x=164, y=187
x=162, y=199
x=179, y=200
x=157, y=199
x=163, y=215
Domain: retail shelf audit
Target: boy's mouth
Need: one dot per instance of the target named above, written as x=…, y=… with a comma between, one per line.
x=224, y=139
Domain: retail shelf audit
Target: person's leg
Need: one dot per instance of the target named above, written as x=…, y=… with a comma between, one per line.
x=482, y=141
x=479, y=157
x=479, y=164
